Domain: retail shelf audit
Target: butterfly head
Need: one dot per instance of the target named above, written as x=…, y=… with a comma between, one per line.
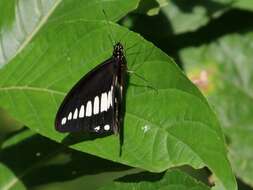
x=118, y=51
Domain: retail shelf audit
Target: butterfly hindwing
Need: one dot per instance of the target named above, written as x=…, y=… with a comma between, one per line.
x=89, y=104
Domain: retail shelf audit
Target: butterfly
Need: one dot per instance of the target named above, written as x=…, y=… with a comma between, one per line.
x=95, y=103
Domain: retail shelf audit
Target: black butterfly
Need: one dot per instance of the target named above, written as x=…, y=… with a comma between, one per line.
x=95, y=103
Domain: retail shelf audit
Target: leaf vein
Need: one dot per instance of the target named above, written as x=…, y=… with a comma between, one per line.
x=30, y=88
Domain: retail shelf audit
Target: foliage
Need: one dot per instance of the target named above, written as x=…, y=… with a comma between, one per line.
x=47, y=46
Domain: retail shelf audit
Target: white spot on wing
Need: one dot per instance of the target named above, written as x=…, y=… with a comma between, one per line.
x=109, y=100
x=107, y=127
x=97, y=128
x=103, y=106
x=96, y=105
x=81, y=112
x=75, y=114
x=88, y=109
x=63, y=121
x=111, y=94
x=70, y=116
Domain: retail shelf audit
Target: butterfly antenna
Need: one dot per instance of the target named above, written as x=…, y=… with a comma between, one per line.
x=132, y=46
x=135, y=56
x=123, y=36
x=141, y=63
x=125, y=45
x=109, y=28
x=145, y=80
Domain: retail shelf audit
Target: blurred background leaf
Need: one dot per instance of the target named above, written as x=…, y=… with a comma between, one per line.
x=227, y=20
x=223, y=70
x=8, y=179
x=243, y=4
x=8, y=125
x=185, y=16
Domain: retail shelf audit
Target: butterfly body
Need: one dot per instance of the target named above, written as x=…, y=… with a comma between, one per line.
x=95, y=103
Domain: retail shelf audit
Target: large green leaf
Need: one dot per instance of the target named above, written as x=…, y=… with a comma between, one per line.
x=227, y=80
x=167, y=127
x=21, y=20
x=8, y=179
x=172, y=179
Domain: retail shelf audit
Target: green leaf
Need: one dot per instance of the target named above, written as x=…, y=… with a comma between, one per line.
x=8, y=179
x=172, y=179
x=25, y=152
x=184, y=16
x=167, y=127
x=227, y=70
x=21, y=20
x=7, y=125
x=17, y=138
x=42, y=163
x=244, y=4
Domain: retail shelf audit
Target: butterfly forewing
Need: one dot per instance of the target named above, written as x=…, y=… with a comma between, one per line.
x=89, y=105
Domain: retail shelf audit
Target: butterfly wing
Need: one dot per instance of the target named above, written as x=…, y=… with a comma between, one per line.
x=89, y=104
